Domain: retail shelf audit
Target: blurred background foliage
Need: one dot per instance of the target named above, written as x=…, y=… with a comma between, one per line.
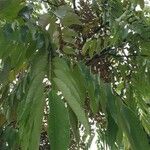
x=74, y=73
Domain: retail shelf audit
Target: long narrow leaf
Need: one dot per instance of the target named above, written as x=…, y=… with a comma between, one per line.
x=73, y=102
x=58, y=123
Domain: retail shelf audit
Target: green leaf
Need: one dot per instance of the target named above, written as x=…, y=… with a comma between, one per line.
x=135, y=130
x=74, y=124
x=67, y=20
x=86, y=46
x=111, y=103
x=25, y=34
x=103, y=96
x=69, y=77
x=70, y=82
x=2, y=119
x=141, y=3
x=60, y=63
x=18, y=55
x=145, y=47
x=119, y=138
x=116, y=5
x=4, y=72
x=69, y=50
x=90, y=46
x=12, y=138
x=62, y=11
x=66, y=14
x=44, y=20
x=53, y=27
x=58, y=123
x=111, y=132
x=128, y=121
x=79, y=78
x=38, y=64
x=73, y=103
x=30, y=111
x=93, y=97
x=9, y=8
x=69, y=35
x=31, y=116
x=92, y=87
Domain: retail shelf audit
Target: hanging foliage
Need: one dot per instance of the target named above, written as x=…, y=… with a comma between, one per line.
x=74, y=71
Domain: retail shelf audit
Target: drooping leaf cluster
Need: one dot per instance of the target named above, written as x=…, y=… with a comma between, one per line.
x=74, y=71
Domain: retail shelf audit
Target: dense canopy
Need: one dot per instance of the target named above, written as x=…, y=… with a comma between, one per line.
x=74, y=74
